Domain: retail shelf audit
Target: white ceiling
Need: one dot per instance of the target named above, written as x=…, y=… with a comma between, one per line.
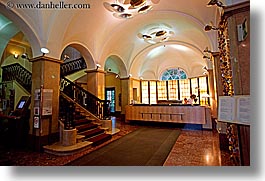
x=98, y=34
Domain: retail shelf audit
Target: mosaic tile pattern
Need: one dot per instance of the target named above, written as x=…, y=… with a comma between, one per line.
x=197, y=148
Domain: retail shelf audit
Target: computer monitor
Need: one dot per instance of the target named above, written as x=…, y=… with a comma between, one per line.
x=21, y=104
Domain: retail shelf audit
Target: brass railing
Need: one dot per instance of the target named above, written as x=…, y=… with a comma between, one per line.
x=73, y=66
x=96, y=106
x=99, y=108
x=66, y=113
x=18, y=73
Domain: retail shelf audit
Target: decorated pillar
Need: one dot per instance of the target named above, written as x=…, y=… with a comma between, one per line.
x=125, y=95
x=44, y=101
x=96, y=83
x=214, y=78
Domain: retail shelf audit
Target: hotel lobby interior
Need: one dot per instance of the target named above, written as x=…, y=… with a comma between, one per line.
x=125, y=83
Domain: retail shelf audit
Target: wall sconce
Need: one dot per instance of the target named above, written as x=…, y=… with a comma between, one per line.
x=207, y=57
x=205, y=68
x=206, y=50
x=44, y=51
x=16, y=55
x=24, y=56
x=205, y=73
x=215, y=2
x=109, y=70
x=98, y=66
x=66, y=57
x=210, y=26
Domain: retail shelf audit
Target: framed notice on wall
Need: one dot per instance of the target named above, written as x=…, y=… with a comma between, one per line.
x=234, y=109
x=47, y=102
x=43, y=102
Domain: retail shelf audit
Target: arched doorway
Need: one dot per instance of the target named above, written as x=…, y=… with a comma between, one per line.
x=115, y=70
x=16, y=39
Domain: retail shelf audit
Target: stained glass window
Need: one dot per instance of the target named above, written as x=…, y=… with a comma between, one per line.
x=172, y=89
x=145, y=92
x=152, y=92
x=174, y=74
x=194, y=86
x=162, y=90
x=184, y=86
x=203, y=90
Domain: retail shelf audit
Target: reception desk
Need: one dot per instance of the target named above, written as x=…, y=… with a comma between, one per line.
x=167, y=113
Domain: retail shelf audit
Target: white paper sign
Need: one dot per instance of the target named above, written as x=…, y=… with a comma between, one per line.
x=235, y=109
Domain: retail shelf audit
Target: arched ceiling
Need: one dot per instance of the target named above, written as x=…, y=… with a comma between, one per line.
x=104, y=35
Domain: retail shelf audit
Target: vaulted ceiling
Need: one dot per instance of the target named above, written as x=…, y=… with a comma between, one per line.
x=102, y=37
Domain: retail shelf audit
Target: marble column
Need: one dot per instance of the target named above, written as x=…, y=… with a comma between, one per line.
x=46, y=76
x=125, y=95
x=96, y=83
x=213, y=101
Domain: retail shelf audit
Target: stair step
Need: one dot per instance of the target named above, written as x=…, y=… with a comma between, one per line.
x=82, y=121
x=91, y=133
x=99, y=139
x=80, y=138
x=80, y=116
x=84, y=127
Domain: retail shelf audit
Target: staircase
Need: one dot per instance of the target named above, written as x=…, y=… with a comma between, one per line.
x=79, y=109
x=90, y=130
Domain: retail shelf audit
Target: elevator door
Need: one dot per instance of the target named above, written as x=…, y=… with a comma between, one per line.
x=110, y=93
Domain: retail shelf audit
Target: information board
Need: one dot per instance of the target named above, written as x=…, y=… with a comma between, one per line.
x=234, y=109
x=43, y=100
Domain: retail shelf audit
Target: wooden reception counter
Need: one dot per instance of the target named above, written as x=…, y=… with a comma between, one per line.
x=177, y=113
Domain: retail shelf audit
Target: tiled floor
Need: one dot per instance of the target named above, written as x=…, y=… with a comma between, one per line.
x=197, y=148
x=193, y=148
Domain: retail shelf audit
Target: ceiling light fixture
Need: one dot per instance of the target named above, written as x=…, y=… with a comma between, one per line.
x=126, y=9
x=215, y=2
x=156, y=33
x=16, y=55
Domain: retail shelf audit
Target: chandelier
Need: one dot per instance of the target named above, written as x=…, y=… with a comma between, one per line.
x=156, y=33
x=126, y=9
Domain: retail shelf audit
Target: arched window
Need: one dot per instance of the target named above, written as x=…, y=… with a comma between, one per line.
x=174, y=74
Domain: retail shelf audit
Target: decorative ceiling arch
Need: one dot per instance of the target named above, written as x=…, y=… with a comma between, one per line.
x=115, y=64
x=7, y=31
x=102, y=34
x=162, y=56
x=188, y=31
x=22, y=25
x=91, y=64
